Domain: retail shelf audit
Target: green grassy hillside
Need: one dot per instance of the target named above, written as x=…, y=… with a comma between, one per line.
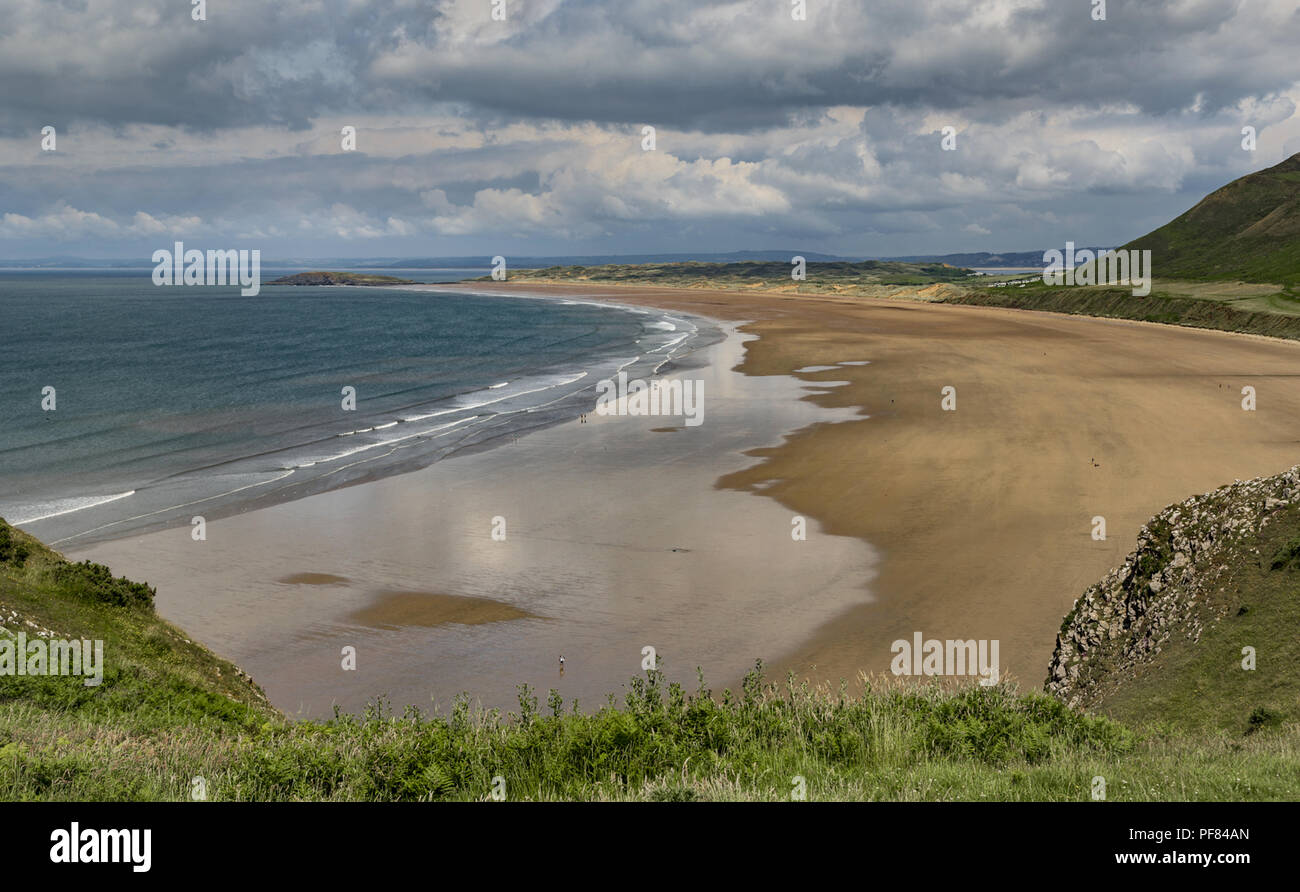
x=1281, y=321
x=1163, y=639
x=154, y=675
x=1248, y=231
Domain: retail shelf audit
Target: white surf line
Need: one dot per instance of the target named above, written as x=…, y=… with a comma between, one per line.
x=508, y=396
x=446, y=429
x=103, y=501
x=382, y=443
x=395, y=444
x=670, y=344
x=400, y=443
x=171, y=508
x=669, y=357
x=289, y=471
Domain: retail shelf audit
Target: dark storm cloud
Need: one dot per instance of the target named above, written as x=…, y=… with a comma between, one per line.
x=684, y=63
x=474, y=131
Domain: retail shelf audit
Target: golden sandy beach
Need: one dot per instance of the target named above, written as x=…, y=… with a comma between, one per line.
x=625, y=532
x=984, y=515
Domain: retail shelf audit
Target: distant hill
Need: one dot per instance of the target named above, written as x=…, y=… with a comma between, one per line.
x=1247, y=231
x=332, y=278
x=534, y=262
x=984, y=260
x=1011, y=259
x=1014, y=259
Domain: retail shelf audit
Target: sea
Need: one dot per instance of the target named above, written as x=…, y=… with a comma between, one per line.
x=126, y=407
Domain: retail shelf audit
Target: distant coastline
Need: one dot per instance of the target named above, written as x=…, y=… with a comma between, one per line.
x=340, y=278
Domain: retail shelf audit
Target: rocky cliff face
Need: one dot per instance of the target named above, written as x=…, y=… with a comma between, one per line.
x=1166, y=587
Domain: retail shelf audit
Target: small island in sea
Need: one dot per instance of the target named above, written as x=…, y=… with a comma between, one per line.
x=331, y=278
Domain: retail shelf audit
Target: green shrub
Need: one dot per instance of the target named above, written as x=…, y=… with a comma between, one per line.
x=95, y=582
x=1263, y=717
x=12, y=552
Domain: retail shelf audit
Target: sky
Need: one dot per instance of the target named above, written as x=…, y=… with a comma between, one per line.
x=488, y=127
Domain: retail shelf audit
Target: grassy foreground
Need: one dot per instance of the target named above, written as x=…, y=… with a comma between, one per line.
x=168, y=712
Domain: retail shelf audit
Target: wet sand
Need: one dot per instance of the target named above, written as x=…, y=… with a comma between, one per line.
x=983, y=516
x=592, y=539
x=973, y=523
